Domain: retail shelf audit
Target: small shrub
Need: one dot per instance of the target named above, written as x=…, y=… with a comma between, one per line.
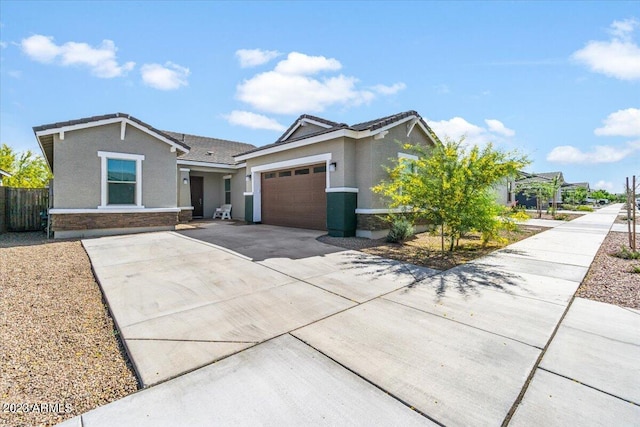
x=635, y=269
x=561, y=217
x=584, y=208
x=569, y=207
x=401, y=229
x=626, y=253
x=520, y=216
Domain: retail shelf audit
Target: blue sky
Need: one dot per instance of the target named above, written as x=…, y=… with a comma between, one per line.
x=559, y=81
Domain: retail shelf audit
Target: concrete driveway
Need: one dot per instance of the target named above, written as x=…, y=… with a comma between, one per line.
x=182, y=300
x=331, y=337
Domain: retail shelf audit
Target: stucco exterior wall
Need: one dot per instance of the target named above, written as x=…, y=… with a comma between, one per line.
x=373, y=155
x=334, y=146
x=77, y=166
x=238, y=182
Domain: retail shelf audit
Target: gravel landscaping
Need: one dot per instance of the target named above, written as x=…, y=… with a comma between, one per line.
x=610, y=278
x=60, y=355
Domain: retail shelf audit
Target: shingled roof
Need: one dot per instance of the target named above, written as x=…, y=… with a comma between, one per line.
x=210, y=150
x=370, y=125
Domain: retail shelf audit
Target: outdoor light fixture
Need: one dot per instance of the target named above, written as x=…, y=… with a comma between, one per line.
x=332, y=166
x=248, y=178
x=185, y=181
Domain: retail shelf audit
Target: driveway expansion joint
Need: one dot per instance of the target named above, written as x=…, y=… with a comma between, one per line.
x=408, y=405
x=589, y=386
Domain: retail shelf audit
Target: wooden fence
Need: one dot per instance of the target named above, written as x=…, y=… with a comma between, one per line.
x=23, y=206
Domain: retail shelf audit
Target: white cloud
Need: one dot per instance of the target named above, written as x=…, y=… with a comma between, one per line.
x=301, y=64
x=621, y=123
x=303, y=84
x=254, y=57
x=599, y=154
x=3, y=44
x=169, y=76
x=100, y=60
x=389, y=90
x=604, y=185
x=458, y=127
x=253, y=121
x=618, y=57
x=498, y=127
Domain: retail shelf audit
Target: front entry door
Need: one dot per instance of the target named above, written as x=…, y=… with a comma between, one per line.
x=196, y=196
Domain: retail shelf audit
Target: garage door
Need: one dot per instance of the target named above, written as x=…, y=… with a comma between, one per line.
x=295, y=197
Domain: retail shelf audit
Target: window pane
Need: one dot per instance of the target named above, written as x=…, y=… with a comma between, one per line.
x=121, y=170
x=302, y=172
x=285, y=173
x=227, y=198
x=269, y=175
x=320, y=169
x=227, y=185
x=122, y=194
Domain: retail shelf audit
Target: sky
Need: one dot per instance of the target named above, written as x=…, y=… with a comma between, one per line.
x=557, y=81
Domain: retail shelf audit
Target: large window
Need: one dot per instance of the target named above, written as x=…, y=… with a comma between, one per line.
x=121, y=179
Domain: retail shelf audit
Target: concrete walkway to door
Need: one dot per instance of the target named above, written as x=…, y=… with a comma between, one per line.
x=341, y=338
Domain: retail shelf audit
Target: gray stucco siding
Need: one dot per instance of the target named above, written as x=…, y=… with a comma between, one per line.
x=77, y=183
x=238, y=182
x=336, y=147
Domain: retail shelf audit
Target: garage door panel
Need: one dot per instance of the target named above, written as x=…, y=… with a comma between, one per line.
x=295, y=199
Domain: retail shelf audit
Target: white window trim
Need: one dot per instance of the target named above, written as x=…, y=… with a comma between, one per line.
x=104, y=187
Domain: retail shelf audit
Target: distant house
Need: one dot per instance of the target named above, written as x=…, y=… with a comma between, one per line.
x=115, y=174
x=529, y=201
x=3, y=174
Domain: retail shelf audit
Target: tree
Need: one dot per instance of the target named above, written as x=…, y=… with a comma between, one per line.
x=575, y=196
x=541, y=190
x=450, y=186
x=28, y=170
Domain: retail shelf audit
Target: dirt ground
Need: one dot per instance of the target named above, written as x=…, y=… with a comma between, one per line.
x=60, y=355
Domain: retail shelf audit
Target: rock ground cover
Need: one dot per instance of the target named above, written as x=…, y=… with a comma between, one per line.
x=60, y=355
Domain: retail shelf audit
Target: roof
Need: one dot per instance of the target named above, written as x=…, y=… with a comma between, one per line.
x=210, y=150
x=4, y=173
x=44, y=133
x=370, y=125
x=584, y=185
x=539, y=177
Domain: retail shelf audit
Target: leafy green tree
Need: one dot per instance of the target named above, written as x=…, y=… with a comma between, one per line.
x=28, y=170
x=575, y=196
x=450, y=186
x=602, y=194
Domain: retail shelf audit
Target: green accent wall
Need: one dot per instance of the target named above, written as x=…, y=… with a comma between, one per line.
x=341, y=214
x=248, y=209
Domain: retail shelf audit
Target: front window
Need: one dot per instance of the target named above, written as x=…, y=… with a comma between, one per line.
x=227, y=191
x=121, y=181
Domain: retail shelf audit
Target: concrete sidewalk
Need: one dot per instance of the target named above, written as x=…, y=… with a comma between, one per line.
x=470, y=346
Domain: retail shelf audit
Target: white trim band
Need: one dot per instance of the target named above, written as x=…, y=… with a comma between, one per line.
x=342, y=190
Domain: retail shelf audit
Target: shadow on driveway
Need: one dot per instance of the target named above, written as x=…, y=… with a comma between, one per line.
x=260, y=242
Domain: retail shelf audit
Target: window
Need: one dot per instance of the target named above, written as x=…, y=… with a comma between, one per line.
x=283, y=174
x=121, y=179
x=227, y=191
x=320, y=169
x=269, y=175
x=302, y=171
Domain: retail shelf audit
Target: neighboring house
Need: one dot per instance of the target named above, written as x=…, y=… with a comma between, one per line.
x=4, y=173
x=116, y=174
x=530, y=202
x=319, y=173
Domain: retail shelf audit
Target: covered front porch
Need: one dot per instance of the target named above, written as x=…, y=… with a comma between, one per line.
x=202, y=189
